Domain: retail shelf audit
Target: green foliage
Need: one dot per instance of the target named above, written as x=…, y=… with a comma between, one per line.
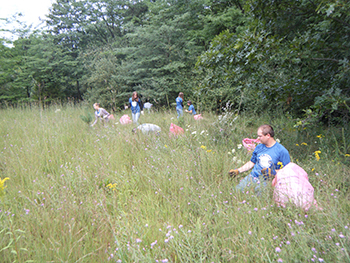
x=87, y=117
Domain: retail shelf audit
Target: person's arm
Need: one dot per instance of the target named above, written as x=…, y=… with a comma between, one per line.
x=189, y=111
x=95, y=120
x=141, y=105
x=246, y=167
x=249, y=165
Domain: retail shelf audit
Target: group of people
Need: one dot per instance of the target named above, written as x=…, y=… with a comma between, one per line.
x=269, y=157
x=179, y=106
x=136, y=106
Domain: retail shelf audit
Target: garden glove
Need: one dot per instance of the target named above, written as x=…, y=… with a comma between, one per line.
x=233, y=173
x=268, y=173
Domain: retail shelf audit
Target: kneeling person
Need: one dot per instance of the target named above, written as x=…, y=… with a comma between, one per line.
x=267, y=157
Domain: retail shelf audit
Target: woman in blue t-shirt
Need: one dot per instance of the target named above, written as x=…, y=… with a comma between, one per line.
x=191, y=109
x=136, y=106
x=179, y=105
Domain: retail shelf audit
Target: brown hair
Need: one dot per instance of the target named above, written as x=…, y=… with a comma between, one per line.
x=189, y=102
x=267, y=129
x=97, y=104
x=134, y=96
x=181, y=95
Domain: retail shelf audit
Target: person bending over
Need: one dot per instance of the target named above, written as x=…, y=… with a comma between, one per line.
x=191, y=109
x=101, y=113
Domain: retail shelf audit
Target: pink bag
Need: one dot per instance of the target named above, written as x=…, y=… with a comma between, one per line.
x=198, y=117
x=292, y=185
x=250, y=144
x=175, y=130
x=125, y=119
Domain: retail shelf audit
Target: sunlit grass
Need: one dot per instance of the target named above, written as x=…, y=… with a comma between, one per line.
x=82, y=194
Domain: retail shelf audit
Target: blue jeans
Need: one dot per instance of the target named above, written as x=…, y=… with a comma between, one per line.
x=180, y=113
x=135, y=117
x=259, y=183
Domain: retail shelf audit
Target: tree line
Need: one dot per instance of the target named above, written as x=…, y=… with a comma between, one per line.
x=256, y=54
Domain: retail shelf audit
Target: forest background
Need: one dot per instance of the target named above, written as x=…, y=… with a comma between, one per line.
x=259, y=55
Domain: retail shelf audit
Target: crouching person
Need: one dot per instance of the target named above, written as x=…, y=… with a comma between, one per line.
x=101, y=113
x=267, y=157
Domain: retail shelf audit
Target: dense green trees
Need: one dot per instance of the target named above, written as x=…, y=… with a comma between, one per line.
x=257, y=54
x=294, y=54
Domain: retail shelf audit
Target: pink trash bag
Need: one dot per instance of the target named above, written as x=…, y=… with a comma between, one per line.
x=250, y=144
x=292, y=185
x=125, y=119
x=198, y=117
x=175, y=130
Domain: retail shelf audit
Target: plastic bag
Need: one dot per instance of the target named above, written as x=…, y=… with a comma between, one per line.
x=125, y=119
x=250, y=144
x=198, y=117
x=175, y=130
x=292, y=185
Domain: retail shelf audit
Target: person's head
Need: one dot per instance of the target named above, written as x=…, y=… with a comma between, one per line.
x=96, y=106
x=181, y=95
x=135, y=96
x=189, y=103
x=266, y=134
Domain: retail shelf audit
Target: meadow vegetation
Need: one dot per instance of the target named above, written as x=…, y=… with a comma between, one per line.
x=80, y=194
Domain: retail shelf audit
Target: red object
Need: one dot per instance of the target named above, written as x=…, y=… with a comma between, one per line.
x=125, y=119
x=198, y=117
x=175, y=130
x=250, y=144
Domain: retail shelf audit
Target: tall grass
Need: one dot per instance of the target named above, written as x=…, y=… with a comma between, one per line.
x=82, y=194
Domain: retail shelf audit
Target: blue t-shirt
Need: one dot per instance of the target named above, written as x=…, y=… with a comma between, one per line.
x=135, y=105
x=179, y=103
x=265, y=157
x=191, y=108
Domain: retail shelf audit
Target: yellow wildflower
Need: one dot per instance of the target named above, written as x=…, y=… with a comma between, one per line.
x=313, y=169
x=203, y=147
x=347, y=155
x=208, y=151
x=280, y=164
x=2, y=187
x=297, y=144
x=166, y=146
x=304, y=143
x=111, y=186
x=319, y=136
x=317, y=155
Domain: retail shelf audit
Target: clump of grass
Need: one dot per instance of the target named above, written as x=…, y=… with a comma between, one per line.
x=87, y=117
x=92, y=195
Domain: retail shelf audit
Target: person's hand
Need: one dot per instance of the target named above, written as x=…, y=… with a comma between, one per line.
x=142, y=112
x=233, y=173
x=186, y=110
x=268, y=173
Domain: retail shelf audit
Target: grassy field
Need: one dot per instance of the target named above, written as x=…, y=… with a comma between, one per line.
x=77, y=193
